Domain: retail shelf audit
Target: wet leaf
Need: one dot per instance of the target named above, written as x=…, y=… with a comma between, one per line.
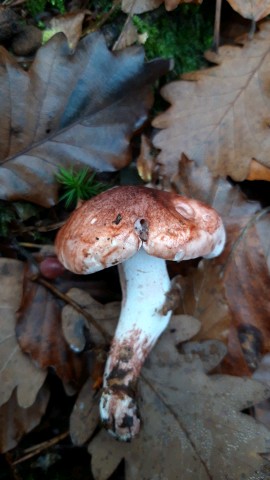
x=16, y=421
x=68, y=110
x=219, y=116
x=192, y=426
x=40, y=335
x=253, y=9
x=16, y=369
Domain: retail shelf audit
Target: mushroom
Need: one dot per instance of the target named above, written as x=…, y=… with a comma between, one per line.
x=137, y=228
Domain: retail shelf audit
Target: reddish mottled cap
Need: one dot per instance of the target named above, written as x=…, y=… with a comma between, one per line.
x=111, y=227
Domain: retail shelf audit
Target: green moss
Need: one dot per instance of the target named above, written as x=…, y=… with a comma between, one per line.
x=35, y=7
x=182, y=35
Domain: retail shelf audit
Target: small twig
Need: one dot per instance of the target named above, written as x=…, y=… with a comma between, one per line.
x=42, y=228
x=217, y=26
x=75, y=305
x=35, y=245
x=37, y=449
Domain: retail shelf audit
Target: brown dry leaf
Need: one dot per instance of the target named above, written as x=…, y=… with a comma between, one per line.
x=15, y=421
x=252, y=9
x=258, y=172
x=192, y=424
x=85, y=415
x=212, y=291
x=16, y=369
x=40, y=335
x=74, y=324
x=70, y=110
x=127, y=37
x=220, y=116
x=70, y=24
x=141, y=6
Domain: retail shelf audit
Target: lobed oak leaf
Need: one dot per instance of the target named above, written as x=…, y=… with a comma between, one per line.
x=68, y=110
x=219, y=117
x=70, y=24
x=40, y=335
x=16, y=369
x=15, y=421
x=191, y=424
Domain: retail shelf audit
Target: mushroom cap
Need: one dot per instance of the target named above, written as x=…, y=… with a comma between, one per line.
x=111, y=227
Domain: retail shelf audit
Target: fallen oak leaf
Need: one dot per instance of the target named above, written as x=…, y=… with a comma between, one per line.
x=85, y=415
x=200, y=432
x=70, y=24
x=219, y=116
x=15, y=421
x=74, y=324
x=16, y=369
x=77, y=110
x=39, y=334
x=253, y=9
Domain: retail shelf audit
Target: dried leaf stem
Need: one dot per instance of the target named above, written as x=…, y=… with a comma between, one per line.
x=37, y=449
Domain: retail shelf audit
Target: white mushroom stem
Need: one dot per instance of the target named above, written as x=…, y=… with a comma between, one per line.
x=145, y=283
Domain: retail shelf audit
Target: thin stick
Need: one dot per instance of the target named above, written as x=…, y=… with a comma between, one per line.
x=217, y=26
x=36, y=449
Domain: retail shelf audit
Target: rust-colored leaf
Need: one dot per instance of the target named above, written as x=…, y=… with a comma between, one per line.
x=252, y=9
x=220, y=116
x=40, y=335
x=69, y=109
x=15, y=421
x=16, y=369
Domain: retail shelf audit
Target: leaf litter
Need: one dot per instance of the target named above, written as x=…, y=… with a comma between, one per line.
x=185, y=412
